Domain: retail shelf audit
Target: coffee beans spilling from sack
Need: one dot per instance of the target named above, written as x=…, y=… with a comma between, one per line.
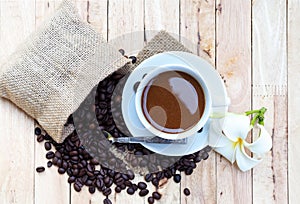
x=84, y=155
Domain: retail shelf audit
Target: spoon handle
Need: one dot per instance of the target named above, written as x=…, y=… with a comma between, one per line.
x=148, y=139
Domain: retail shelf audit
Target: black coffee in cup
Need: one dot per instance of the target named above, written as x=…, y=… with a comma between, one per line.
x=173, y=102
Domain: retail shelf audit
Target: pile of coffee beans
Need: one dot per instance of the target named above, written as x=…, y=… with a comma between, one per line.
x=87, y=158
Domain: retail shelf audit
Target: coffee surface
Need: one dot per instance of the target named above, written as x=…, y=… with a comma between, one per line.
x=173, y=102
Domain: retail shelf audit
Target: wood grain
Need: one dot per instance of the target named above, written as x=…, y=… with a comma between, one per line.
x=59, y=194
x=233, y=55
x=125, y=25
x=158, y=15
x=198, y=33
x=162, y=15
x=293, y=101
x=16, y=128
x=270, y=70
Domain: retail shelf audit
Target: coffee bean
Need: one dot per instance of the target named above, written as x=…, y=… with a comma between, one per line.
x=148, y=177
x=130, y=191
x=142, y=185
x=186, y=192
x=61, y=170
x=189, y=171
x=107, y=192
x=107, y=201
x=133, y=59
x=40, y=169
x=73, y=153
x=99, y=183
x=143, y=192
x=77, y=187
x=37, y=131
x=205, y=156
x=92, y=189
x=64, y=165
x=177, y=178
x=50, y=155
x=199, y=131
x=118, y=189
x=122, y=51
x=40, y=138
x=47, y=146
x=156, y=195
x=155, y=182
x=49, y=164
x=150, y=200
x=71, y=179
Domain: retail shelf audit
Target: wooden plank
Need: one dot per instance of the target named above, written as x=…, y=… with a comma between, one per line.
x=197, y=27
x=126, y=25
x=95, y=13
x=59, y=191
x=293, y=100
x=17, y=160
x=233, y=52
x=270, y=91
x=198, y=33
x=125, y=30
x=163, y=15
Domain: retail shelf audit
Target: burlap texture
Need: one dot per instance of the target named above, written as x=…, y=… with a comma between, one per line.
x=51, y=74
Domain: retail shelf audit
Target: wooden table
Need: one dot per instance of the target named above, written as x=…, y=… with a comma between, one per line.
x=254, y=45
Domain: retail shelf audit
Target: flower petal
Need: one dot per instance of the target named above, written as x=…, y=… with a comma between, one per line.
x=215, y=134
x=243, y=161
x=236, y=126
x=227, y=151
x=262, y=144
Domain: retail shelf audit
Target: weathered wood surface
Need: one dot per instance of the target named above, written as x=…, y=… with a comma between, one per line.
x=253, y=44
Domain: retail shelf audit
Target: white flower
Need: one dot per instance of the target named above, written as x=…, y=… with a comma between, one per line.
x=228, y=137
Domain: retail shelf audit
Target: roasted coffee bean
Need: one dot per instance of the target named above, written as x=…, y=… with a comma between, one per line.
x=143, y=192
x=99, y=183
x=59, y=163
x=122, y=186
x=199, y=131
x=75, y=172
x=73, y=153
x=186, y=192
x=61, y=170
x=205, y=156
x=130, y=174
x=64, y=164
x=107, y=192
x=133, y=59
x=122, y=51
x=142, y=185
x=197, y=159
x=189, y=171
x=40, y=169
x=177, y=178
x=77, y=187
x=71, y=179
x=37, y=131
x=130, y=191
x=148, y=177
x=50, y=155
x=155, y=182
x=150, y=200
x=168, y=174
x=118, y=189
x=156, y=195
x=92, y=189
x=47, y=146
x=58, y=154
x=107, y=201
x=40, y=138
x=49, y=164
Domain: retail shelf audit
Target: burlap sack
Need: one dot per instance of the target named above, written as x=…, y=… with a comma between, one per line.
x=51, y=74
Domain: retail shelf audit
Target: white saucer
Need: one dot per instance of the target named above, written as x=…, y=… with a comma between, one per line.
x=215, y=84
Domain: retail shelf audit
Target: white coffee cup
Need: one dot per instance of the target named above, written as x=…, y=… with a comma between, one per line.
x=152, y=74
